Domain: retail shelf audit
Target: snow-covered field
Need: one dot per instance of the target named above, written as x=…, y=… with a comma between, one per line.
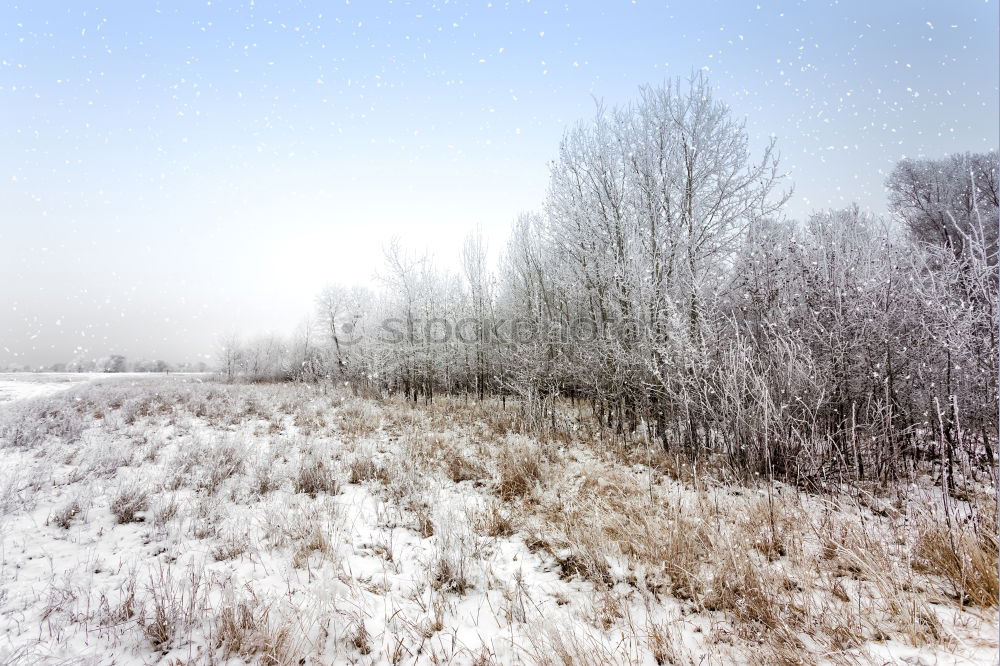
x=23, y=385
x=171, y=520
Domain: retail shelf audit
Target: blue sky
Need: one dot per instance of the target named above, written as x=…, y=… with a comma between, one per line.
x=176, y=170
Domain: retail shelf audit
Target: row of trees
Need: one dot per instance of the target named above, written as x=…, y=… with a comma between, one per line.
x=661, y=285
x=112, y=363
x=272, y=358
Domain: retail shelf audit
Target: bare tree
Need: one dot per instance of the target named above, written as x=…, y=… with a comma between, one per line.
x=951, y=202
x=662, y=286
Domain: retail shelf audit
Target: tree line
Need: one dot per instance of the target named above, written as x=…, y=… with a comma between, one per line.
x=662, y=287
x=113, y=363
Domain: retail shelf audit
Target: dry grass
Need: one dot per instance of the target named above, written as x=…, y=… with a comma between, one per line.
x=64, y=517
x=314, y=477
x=31, y=424
x=362, y=467
x=519, y=468
x=315, y=540
x=173, y=606
x=266, y=477
x=551, y=645
x=495, y=520
x=244, y=629
x=231, y=546
x=459, y=468
x=966, y=559
x=166, y=510
x=129, y=503
x=359, y=638
x=794, y=577
x=449, y=574
x=784, y=578
x=425, y=525
x=358, y=417
x=666, y=646
x=627, y=555
x=220, y=462
x=455, y=556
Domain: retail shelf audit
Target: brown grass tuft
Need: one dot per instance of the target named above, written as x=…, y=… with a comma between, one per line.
x=965, y=558
x=315, y=477
x=243, y=628
x=518, y=470
x=128, y=504
x=363, y=468
x=494, y=521
x=64, y=517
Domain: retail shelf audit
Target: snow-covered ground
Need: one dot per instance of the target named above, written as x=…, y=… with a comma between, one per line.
x=168, y=520
x=24, y=385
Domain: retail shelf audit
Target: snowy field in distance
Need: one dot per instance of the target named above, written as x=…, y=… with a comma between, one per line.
x=23, y=385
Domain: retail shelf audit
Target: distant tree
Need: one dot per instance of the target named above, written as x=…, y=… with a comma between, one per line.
x=113, y=363
x=306, y=362
x=81, y=364
x=230, y=357
x=338, y=310
x=480, y=297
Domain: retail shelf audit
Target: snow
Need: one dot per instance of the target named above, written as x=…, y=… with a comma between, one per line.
x=24, y=386
x=347, y=576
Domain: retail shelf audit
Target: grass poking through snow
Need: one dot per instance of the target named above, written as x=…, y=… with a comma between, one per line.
x=158, y=519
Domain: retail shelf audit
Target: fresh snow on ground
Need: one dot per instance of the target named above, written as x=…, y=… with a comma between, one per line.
x=23, y=385
x=166, y=520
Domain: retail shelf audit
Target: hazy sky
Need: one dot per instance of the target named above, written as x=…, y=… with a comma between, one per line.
x=175, y=170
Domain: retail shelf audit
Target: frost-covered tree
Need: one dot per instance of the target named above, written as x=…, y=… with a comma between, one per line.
x=646, y=206
x=661, y=285
x=951, y=202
